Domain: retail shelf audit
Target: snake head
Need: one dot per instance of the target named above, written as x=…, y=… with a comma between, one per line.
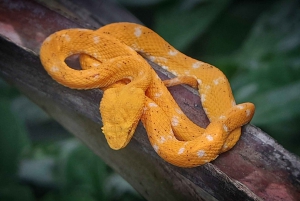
x=121, y=109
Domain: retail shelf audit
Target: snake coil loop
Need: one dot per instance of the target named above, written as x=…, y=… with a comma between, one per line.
x=112, y=59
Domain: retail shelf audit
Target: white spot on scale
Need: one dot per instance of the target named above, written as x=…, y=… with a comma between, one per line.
x=178, y=111
x=187, y=72
x=209, y=138
x=199, y=81
x=54, y=69
x=129, y=77
x=155, y=147
x=200, y=153
x=96, y=77
x=162, y=139
x=95, y=55
x=218, y=80
x=96, y=64
x=248, y=112
x=174, y=72
x=181, y=150
x=67, y=37
x=233, y=103
x=137, y=31
x=152, y=105
x=203, y=98
x=240, y=107
x=175, y=121
x=96, y=39
x=162, y=59
x=206, y=87
x=222, y=117
x=172, y=52
x=145, y=108
x=48, y=39
x=152, y=58
x=165, y=67
x=206, y=110
x=225, y=128
x=158, y=94
x=196, y=64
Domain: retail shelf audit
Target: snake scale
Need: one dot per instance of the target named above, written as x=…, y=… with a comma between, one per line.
x=112, y=59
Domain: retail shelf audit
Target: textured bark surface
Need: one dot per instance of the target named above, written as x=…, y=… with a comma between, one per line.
x=256, y=168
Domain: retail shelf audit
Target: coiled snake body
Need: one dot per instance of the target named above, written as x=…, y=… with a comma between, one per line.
x=111, y=60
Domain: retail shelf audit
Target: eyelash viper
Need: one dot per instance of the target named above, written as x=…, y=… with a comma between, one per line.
x=111, y=59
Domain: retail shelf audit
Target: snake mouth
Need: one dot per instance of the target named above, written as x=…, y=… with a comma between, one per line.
x=116, y=144
x=117, y=136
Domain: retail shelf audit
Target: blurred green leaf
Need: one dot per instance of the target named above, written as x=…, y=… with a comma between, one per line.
x=181, y=24
x=27, y=111
x=270, y=56
x=15, y=192
x=270, y=72
x=277, y=104
x=227, y=34
x=40, y=125
x=276, y=33
x=13, y=144
x=13, y=141
x=275, y=40
x=116, y=187
x=37, y=171
x=81, y=169
x=69, y=196
x=7, y=90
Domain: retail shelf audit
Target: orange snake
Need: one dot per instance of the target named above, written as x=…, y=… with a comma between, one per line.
x=111, y=59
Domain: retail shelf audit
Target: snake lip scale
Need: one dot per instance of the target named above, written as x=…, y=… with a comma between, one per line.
x=111, y=59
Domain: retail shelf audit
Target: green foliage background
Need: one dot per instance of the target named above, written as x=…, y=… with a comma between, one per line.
x=255, y=43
